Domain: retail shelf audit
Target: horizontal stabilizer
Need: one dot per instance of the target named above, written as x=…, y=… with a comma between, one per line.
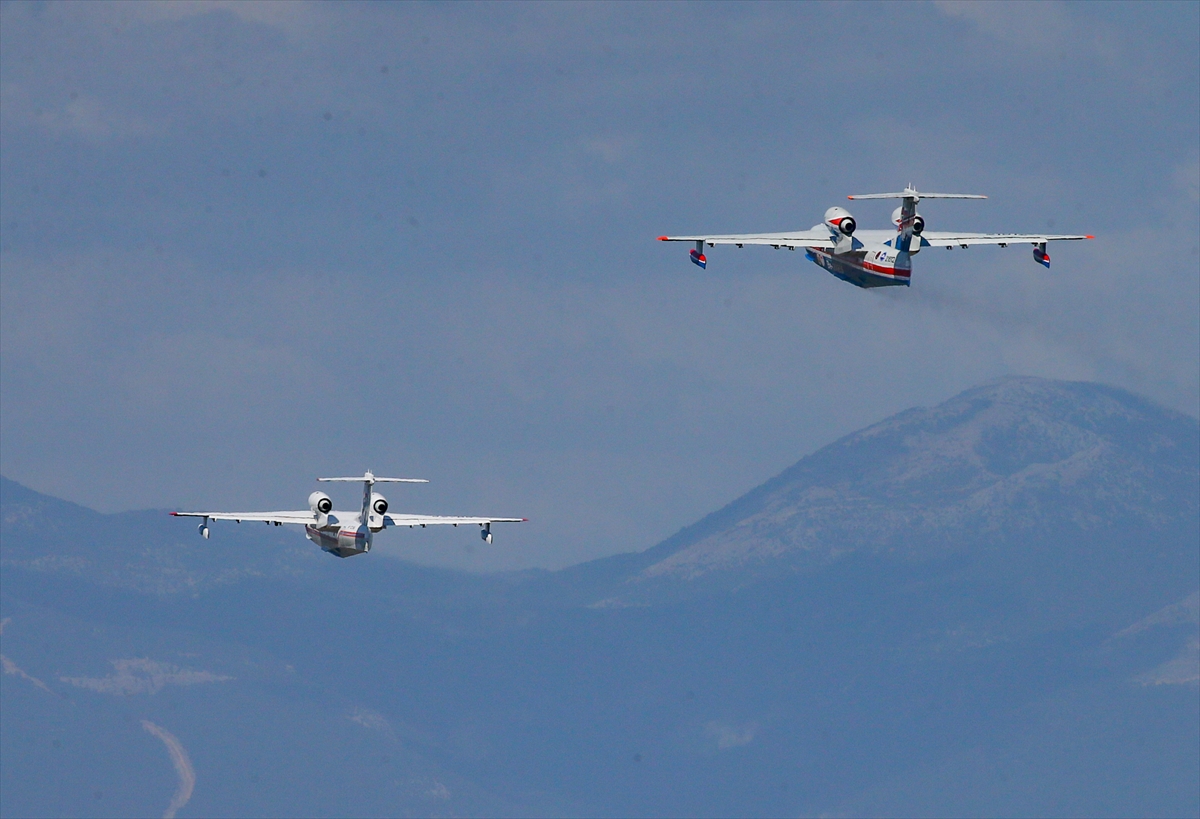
x=909, y=193
x=369, y=478
x=378, y=480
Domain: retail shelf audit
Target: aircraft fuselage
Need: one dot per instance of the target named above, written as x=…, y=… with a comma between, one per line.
x=868, y=267
x=344, y=538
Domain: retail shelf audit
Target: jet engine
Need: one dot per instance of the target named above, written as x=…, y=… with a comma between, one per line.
x=320, y=503
x=376, y=509
x=379, y=504
x=918, y=221
x=841, y=220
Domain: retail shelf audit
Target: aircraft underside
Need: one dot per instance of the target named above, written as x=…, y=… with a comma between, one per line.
x=340, y=542
x=859, y=270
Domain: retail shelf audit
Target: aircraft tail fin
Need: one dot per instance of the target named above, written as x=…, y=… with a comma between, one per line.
x=368, y=480
x=908, y=224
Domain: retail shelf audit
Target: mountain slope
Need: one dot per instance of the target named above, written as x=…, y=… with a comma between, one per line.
x=1023, y=476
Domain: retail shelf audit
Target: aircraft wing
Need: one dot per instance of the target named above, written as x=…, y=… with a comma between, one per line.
x=278, y=518
x=951, y=238
x=391, y=519
x=816, y=237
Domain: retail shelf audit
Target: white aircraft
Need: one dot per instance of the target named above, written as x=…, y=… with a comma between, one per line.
x=874, y=258
x=348, y=533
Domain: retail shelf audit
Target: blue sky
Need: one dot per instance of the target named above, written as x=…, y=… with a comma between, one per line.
x=244, y=245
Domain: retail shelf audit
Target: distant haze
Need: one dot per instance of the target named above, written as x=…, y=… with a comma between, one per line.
x=244, y=245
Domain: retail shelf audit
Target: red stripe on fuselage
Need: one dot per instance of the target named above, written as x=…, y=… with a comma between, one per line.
x=863, y=264
x=897, y=272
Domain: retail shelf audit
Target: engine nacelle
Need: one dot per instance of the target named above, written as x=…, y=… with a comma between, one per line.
x=918, y=221
x=376, y=508
x=320, y=503
x=379, y=504
x=840, y=219
x=485, y=532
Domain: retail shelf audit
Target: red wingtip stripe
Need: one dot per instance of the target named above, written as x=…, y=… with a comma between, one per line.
x=1089, y=237
x=173, y=514
x=662, y=238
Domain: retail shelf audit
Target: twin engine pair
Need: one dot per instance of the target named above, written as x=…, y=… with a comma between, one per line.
x=840, y=219
x=321, y=503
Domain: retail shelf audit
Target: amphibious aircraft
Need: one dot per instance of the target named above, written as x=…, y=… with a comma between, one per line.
x=874, y=258
x=348, y=533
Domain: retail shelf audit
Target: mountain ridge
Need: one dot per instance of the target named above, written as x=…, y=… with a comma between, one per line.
x=901, y=503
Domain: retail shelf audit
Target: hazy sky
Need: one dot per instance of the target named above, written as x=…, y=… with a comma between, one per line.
x=245, y=245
